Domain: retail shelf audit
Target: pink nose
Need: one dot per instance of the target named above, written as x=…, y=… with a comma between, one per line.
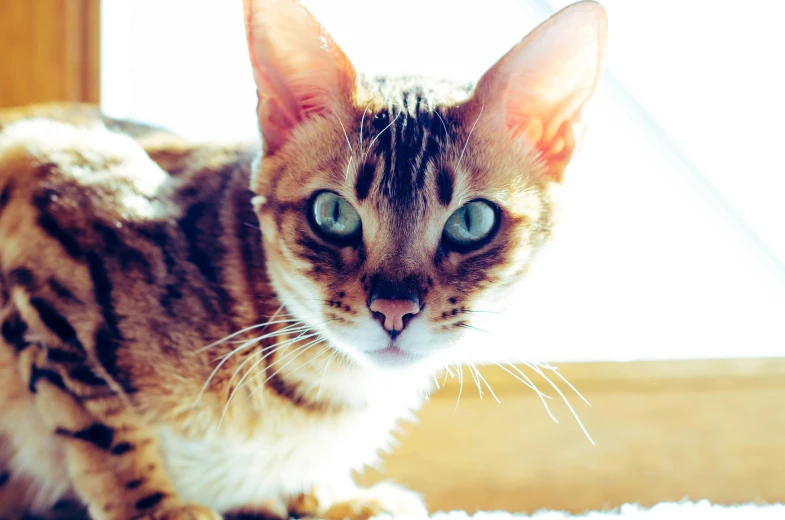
x=394, y=311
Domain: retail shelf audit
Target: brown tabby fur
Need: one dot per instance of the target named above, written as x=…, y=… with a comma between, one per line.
x=124, y=250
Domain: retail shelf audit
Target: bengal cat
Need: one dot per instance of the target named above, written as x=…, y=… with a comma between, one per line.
x=190, y=331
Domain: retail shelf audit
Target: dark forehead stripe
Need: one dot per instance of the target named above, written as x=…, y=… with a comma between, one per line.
x=364, y=181
x=407, y=138
x=444, y=186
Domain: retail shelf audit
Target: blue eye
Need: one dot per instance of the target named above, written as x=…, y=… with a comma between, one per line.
x=471, y=224
x=333, y=217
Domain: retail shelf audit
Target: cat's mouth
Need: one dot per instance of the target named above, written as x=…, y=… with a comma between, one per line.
x=393, y=356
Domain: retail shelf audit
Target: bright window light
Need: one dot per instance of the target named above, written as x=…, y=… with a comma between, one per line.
x=672, y=242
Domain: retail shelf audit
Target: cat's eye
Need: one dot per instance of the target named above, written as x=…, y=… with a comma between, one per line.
x=471, y=225
x=333, y=217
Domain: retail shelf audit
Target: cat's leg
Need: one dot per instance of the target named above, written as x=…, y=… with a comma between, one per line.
x=348, y=501
x=112, y=460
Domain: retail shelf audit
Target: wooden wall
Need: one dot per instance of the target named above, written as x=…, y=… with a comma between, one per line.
x=49, y=51
x=664, y=431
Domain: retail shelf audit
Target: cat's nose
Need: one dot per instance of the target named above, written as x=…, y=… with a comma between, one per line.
x=392, y=313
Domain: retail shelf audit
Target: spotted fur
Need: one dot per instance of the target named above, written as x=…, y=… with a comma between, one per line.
x=131, y=258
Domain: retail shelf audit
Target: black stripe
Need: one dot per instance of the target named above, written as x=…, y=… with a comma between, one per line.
x=58, y=355
x=84, y=375
x=53, y=229
x=133, y=484
x=321, y=255
x=22, y=277
x=41, y=373
x=150, y=500
x=61, y=291
x=432, y=149
x=249, y=235
x=13, y=331
x=129, y=257
x=364, y=181
x=277, y=384
x=5, y=196
x=97, y=434
x=108, y=337
x=444, y=185
x=206, y=262
x=4, y=478
x=54, y=321
x=122, y=448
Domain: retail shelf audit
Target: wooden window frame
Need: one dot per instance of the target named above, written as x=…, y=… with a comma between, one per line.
x=50, y=50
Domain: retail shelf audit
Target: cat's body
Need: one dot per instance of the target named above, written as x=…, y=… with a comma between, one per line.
x=130, y=259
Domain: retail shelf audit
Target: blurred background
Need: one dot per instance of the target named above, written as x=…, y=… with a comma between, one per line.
x=670, y=255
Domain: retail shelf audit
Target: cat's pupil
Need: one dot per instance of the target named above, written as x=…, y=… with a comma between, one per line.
x=467, y=220
x=336, y=211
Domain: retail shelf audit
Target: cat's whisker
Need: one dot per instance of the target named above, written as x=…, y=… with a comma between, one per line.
x=242, y=347
x=276, y=348
x=481, y=312
x=266, y=350
x=314, y=358
x=469, y=136
x=241, y=384
x=467, y=326
x=324, y=372
x=235, y=334
x=380, y=133
x=555, y=370
x=436, y=382
x=351, y=151
x=299, y=350
x=564, y=398
x=528, y=382
x=479, y=375
x=459, y=369
x=472, y=369
x=362, y=124
x=290, y=329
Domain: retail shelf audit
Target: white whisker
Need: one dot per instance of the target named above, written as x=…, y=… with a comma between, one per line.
x=344, y=131
x=469, y=136
x=324, y=373
x=528, y=382
x=268, y=352
x=472, y=368
x=235, y=334
x=459, y=369
x=564, y=398
x=380, y=133
x=479, y=375
x=555, y=370
x=362, y=123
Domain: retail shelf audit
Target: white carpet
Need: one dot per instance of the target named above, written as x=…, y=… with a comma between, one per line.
x=702, y=510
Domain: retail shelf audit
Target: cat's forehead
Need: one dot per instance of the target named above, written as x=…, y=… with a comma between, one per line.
x=406, y=135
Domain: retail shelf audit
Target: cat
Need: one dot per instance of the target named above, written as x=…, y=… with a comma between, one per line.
x=191, y=331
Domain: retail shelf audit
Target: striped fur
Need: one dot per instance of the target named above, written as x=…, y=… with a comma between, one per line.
x=177, y=340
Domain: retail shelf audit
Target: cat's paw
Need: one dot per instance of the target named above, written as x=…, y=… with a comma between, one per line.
x=384, y=498
x=184, y=512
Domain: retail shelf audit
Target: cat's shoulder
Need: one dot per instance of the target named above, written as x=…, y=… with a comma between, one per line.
x=87, y=163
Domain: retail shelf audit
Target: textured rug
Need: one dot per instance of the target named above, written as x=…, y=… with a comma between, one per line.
x=702, y=510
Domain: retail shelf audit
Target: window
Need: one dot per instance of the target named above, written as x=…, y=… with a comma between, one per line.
x=671, y=243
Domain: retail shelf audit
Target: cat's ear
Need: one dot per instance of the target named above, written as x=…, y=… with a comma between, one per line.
x=538, y=89
x=298, y=68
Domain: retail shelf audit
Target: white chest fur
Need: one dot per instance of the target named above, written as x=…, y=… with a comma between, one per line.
x=289, y=453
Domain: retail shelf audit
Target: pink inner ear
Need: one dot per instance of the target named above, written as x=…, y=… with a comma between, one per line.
x=298, y=68
x=544, y=81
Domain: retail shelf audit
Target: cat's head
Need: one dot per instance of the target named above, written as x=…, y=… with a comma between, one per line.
x=394, y=212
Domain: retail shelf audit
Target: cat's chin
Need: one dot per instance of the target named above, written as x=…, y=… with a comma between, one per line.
x=393, y=357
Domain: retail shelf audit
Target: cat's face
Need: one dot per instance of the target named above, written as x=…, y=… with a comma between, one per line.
x=394, y=213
